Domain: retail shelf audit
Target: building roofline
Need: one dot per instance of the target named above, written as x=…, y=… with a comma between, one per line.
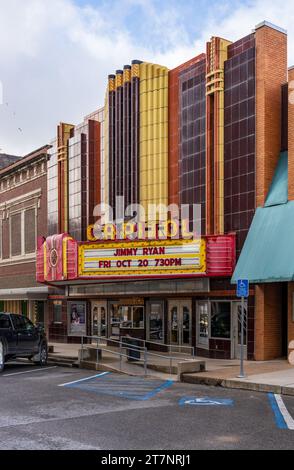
x=271, y=25
x=189, y=62
x=39, y=151
x=29, y=158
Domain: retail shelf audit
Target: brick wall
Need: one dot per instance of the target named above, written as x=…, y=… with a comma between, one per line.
x=271, y=74
x=291, y=135
x=22, y=274
x=268, y=322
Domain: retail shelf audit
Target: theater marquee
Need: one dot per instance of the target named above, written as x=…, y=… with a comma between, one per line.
x=170, y=257
x=60, y=259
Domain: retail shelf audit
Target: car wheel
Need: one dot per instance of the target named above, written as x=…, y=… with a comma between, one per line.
x=2, y=358
x=42, y=355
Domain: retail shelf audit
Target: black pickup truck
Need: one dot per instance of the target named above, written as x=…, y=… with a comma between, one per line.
x=20, y=338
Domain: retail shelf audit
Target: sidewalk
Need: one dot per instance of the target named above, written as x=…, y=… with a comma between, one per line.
x=270, y=376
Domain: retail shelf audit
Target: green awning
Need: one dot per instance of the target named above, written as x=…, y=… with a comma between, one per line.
x=268, y=252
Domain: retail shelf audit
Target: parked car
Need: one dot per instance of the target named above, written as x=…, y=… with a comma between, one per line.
x=20, y=338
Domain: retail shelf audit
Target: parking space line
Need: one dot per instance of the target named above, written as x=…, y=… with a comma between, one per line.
x=29, y=371
x=85, y=379
x=165, y=385
x=283, y=418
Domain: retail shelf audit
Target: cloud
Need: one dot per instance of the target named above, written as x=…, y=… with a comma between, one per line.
x=55, y=56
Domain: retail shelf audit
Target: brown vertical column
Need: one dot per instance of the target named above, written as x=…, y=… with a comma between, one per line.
x=271, y=74
x=63, y=135
x=291, y=134
x=93, y=169
x=268, y=322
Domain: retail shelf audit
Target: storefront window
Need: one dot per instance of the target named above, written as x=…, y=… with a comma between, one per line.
x=155, y=322
x=115, y=319
x=221, y=320
x=203, y=323
x=138, y=317
x=125, y=316
x=77, y=318
x=57, y=312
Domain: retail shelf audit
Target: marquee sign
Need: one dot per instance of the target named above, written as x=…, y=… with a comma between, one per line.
x=62, y=259
x=168, y=257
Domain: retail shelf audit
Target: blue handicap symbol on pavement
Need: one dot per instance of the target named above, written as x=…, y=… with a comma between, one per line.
x=205, y=401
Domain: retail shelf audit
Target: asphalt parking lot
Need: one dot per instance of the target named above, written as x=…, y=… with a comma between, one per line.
x=62, y=408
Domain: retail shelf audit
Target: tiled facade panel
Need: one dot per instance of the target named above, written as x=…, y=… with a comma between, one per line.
x=92, y=171
x=239, y=161
x=241, y=46
x=77, y=186
x=192, y=121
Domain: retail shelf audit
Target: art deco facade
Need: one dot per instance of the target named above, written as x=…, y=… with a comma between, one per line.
x=208, y=132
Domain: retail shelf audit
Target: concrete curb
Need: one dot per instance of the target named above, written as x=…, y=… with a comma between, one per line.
x=238, y=384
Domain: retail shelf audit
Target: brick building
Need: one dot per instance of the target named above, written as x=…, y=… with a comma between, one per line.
x=209, y=132
x=23, y=217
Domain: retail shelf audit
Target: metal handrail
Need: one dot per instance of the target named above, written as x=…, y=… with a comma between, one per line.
x=120, y=354
x=119, y=342
x=170, y=346
x=131, y=347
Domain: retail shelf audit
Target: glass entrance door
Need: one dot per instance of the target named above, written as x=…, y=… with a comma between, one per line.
x=237, y=315
x=99, y=319
x=180, y=320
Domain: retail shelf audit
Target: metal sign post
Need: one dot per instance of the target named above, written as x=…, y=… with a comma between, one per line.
x=242, y=291
x=242, y=375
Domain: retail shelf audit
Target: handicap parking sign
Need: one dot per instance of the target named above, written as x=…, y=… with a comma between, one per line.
x=205, y=401
x=243, y=288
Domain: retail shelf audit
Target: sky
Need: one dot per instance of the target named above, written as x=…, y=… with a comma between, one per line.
x=55, y=55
